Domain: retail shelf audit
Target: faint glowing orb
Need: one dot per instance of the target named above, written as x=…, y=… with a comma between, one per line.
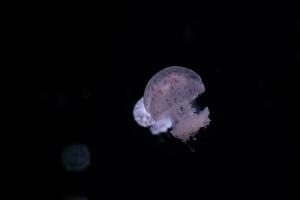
x=76, y=157
x=75, y=198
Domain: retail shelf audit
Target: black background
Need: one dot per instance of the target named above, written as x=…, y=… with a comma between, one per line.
x=92, y=64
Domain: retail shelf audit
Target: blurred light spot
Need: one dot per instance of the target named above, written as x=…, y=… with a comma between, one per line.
x=75, y=198
x=76, y=157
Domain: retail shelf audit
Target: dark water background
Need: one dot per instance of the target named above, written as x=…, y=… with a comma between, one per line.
x=92, y=65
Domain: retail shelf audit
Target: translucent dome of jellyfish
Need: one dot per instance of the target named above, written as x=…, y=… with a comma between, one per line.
x=169, y=103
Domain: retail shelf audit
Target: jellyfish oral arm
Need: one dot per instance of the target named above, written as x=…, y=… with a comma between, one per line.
x=189, y=127
x=161, y=126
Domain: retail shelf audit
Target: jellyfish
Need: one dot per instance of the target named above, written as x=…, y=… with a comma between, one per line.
x=76, y=157
x=169, y=103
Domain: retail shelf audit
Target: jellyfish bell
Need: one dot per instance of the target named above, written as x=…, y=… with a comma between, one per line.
x=170, y=86
x=169, y=98
x=171, y=93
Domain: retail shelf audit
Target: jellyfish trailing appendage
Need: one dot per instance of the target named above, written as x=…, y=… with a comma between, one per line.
x=168, y=103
